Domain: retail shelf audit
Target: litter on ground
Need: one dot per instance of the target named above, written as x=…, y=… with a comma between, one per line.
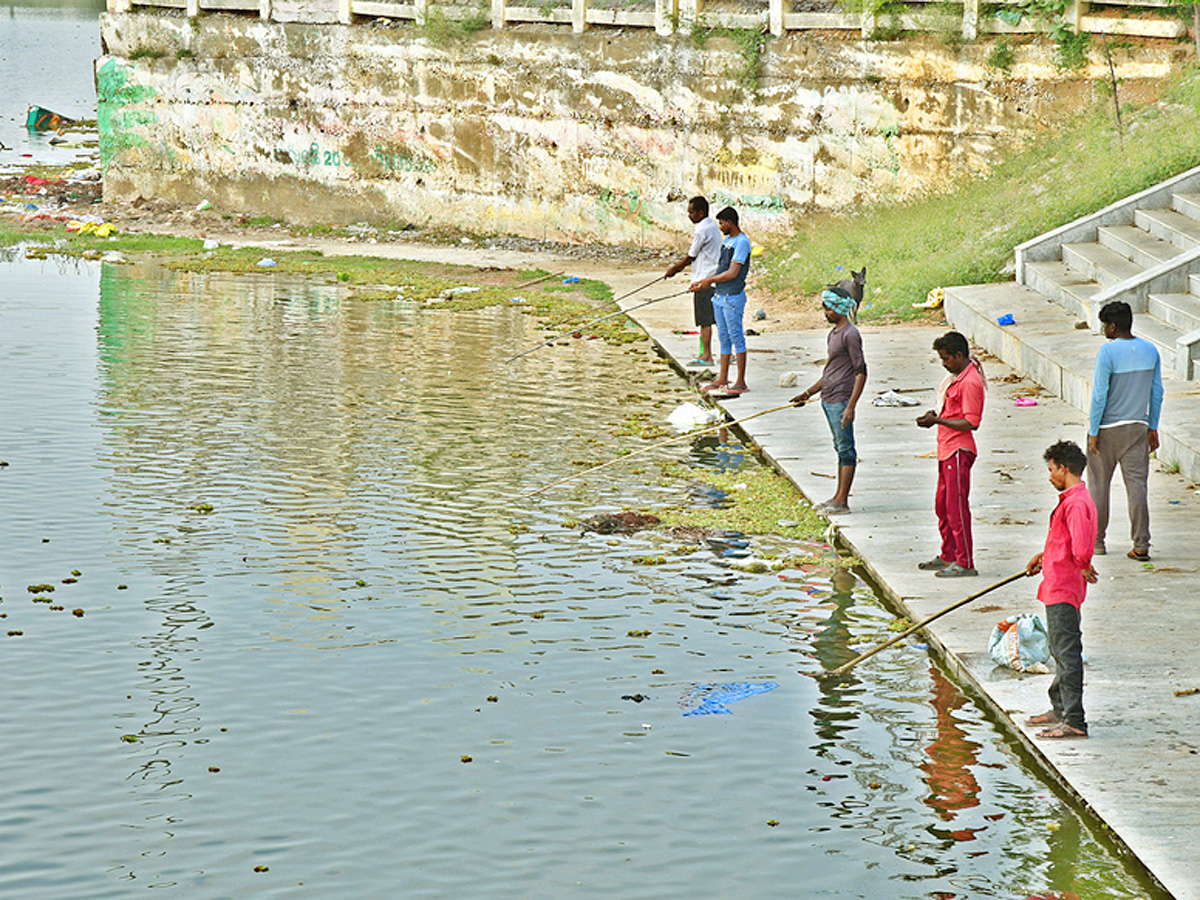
x=891, y=398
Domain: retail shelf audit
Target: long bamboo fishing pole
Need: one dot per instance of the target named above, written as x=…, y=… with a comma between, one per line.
x=846, y=667
x=538, y=280
x=676, y=439
x=619, y=312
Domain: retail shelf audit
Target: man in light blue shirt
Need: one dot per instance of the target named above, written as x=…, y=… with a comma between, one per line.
x=729, y=302
x=1127, y=397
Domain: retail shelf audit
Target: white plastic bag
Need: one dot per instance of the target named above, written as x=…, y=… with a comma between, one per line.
x=689, y=416
x=1021, y=643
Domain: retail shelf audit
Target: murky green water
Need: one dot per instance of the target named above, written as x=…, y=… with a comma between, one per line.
x=293, y=679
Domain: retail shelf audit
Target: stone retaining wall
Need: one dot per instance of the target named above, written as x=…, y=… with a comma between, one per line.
x=530, y=131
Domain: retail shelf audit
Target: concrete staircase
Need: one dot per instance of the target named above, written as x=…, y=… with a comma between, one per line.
x=1144, y=250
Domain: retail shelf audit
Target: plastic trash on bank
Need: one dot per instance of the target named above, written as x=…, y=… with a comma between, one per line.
x=451, y=293
x=1022, y=643
x=933, y=300
x=891, y=398
x=38, y=118
x=688, y=416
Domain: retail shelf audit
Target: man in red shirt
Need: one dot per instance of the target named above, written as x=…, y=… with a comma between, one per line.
x=1066, y=567
x=961, y=408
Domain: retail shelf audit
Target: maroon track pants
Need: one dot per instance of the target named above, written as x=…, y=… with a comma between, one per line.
x=953, y=508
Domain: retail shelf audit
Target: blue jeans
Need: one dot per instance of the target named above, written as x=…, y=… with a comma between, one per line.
x=728, y=310
x=843, y=435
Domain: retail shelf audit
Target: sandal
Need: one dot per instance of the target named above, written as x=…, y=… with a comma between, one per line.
x=1139, y=555
x=1049, y=717
x=1062, y=731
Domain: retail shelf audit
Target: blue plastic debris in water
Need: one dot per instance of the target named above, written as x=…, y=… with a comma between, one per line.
x=710, y=699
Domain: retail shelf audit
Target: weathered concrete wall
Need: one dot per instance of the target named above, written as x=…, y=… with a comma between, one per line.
x=549, y=134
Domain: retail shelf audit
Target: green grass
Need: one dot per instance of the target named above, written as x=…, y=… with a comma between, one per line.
x=967, y=236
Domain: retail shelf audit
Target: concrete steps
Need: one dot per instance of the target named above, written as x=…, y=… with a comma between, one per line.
x=1144, y=250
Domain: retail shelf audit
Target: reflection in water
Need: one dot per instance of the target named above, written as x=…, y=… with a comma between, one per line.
x=952, y=787
x=334, y=601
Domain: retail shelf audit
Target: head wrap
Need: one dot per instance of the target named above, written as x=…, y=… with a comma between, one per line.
x=840, y=302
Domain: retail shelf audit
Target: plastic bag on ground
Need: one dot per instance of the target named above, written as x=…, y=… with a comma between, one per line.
x=891, y=398
x=1021, y=642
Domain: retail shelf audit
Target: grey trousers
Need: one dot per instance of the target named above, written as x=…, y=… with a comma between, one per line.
x=1066, y=646
x=1127, y=446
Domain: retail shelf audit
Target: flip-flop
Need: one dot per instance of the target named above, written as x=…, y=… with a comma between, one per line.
x=733, y=392
x=1046, y=718
x=1062, y=731
x=710, y=388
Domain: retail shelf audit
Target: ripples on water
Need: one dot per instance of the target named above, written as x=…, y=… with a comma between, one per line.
x=299, y=673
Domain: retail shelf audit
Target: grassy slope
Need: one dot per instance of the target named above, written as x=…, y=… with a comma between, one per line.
x=967, y=236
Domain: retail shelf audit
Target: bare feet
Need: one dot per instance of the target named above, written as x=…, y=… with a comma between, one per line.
x=714, y=386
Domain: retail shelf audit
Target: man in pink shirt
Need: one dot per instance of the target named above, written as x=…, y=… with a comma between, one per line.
x=1066, y=567
x=961, y=406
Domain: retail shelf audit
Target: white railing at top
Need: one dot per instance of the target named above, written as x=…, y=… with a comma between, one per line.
x=671, y=16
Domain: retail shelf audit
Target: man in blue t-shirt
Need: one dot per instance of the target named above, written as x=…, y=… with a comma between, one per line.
x=729, y=301
x=1127, y=396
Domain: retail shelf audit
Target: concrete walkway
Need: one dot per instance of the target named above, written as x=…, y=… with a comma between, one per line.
x=1140, y=769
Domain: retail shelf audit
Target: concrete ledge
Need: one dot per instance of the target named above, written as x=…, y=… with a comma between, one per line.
x=1187, y=351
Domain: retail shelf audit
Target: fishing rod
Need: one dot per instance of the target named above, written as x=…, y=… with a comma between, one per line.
x=677, y=438
x=538, y=280
x=619, y=312
x=846, y=667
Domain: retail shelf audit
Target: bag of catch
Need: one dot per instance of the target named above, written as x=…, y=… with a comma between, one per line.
x=1021, y=643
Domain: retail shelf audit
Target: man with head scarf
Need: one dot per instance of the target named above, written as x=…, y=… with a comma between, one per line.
x=840, y=385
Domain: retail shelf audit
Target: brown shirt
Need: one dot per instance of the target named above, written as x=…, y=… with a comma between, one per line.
x=844, y=361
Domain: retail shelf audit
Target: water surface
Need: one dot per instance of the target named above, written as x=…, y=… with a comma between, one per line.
x=310, y=595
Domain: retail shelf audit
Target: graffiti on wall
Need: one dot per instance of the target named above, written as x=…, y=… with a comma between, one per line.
x=316, y=156
x=120, y=111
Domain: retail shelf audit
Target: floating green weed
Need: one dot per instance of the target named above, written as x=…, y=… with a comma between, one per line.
x=761, y=501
